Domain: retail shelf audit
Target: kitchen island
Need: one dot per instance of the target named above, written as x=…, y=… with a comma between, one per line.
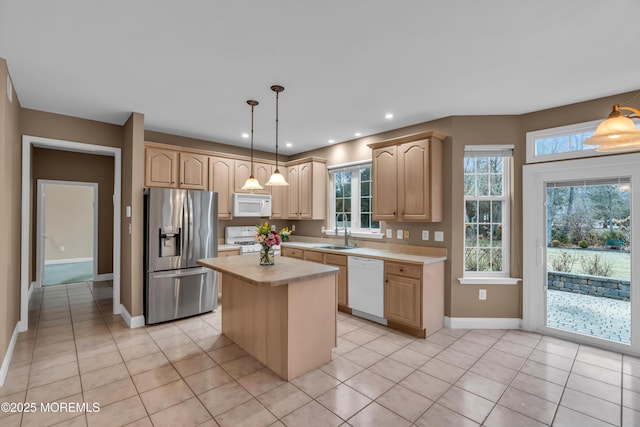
x=284, y=315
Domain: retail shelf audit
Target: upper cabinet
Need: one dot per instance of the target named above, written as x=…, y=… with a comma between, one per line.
x=172, y=169
x=307, y=198
x=407, y=178
x=261, y=172
x=194, y=171
x=161, y=168
x=221, y=181
x=172, y=166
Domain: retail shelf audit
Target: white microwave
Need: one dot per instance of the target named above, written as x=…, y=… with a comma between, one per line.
x=256, y=205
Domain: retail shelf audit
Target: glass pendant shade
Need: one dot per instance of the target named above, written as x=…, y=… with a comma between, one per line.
x=276, y=179
x=252, y=184
x=616, y=134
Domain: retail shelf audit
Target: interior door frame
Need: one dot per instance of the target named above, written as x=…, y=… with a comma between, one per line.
x=28, y=143
x=535, y=177
x=41, y=228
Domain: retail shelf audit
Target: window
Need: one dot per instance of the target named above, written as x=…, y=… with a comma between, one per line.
x=560, y=143
x=486, y=215
x=351, y=198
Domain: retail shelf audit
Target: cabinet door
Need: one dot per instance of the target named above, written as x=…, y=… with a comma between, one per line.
x=294, y=192
x=161, y=168
x=292, y=252
x=262, y=172
x=221, y=181
x=414, y=181
x=194, y=171
x=385, y=188
x=242, y=171
x=305, y=190
x=340, y=261
x=280, y=198
x=402, y=300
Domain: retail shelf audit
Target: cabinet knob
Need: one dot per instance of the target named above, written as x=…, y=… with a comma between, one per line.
x=386, y=281
x=402, y=269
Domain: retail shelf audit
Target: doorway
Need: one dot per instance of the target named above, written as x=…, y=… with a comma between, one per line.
x=67, y=229
x=579, y=236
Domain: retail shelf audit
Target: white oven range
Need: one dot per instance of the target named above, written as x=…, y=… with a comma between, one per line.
x=245, y=237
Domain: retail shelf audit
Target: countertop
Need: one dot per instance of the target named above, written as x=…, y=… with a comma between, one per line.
x=369, y=253
x=284, y=271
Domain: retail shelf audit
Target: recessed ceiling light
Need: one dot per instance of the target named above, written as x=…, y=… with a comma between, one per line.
x=289, y=144
x=358, y=134
x=331, y=141
x=245, y=135
x=388, y=116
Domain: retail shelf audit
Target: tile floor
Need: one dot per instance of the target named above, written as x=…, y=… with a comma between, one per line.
x=186, y=373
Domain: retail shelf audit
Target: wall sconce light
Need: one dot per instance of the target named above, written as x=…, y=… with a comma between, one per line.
x=617, y=133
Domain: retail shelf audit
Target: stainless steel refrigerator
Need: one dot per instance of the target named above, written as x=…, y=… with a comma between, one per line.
x=181, y=227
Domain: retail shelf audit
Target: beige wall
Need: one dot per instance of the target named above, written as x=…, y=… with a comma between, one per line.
x=68, y=166
x=10, y=201
x=131, y=286
x=68, y=221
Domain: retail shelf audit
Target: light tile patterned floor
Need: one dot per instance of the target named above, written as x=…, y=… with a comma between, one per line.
x=186, y=373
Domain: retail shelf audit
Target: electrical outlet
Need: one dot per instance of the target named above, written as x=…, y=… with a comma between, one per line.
x=406, y=234
x=482, y=295
x=425, y=234
x=399, y=234
x=62, y=248
x=130, y=228
x=389, y=233
x=438, y=236
x=321, y=229
x=293, y=227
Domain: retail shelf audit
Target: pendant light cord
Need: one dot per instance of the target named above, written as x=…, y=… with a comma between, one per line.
x=252, y=106
x=277, y=98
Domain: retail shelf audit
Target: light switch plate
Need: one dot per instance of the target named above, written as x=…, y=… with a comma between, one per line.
x=127, y=211
x=438, y=236
x=293, y=228
x=482, y=295
x=399, y=234
x=425, y=234
x=389, y=233
x=406, y=234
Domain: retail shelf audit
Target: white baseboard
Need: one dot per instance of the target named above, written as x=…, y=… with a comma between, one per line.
x=4, y=369
x=67, y=261
x=103, y=277
x=482, y=323
x=132, y=322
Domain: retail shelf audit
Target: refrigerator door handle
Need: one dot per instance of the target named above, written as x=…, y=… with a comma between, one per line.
x=177, y=273
x=190, y=219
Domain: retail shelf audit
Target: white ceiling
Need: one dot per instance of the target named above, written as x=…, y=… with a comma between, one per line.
x=189, y=66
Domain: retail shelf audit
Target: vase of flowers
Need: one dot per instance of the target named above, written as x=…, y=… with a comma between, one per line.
x=285, y=233
x=267, y=238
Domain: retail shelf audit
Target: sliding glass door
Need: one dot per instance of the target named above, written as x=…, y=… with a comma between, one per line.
x=578, y=250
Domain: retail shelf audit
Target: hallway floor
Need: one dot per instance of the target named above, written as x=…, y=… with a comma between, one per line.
x=186, y=373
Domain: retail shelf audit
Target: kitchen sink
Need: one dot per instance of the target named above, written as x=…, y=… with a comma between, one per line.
x=335, y=247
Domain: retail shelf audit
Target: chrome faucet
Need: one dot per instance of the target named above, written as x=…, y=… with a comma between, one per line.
x=346, y=232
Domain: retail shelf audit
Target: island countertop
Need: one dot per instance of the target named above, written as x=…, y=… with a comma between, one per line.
x=285, y=270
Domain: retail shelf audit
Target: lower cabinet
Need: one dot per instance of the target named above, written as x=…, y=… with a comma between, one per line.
x=414, y=297
x=334, y=260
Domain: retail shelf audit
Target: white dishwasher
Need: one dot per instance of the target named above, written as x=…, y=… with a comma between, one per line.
x=366, y=288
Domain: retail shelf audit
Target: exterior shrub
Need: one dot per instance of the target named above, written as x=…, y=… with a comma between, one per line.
x=555, y=243
x=583, y=244
x=596, y=266
x=563, y=262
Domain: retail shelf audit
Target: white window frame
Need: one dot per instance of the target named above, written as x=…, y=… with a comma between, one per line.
x=567, y=130
x=493, y=277
x=355, y=229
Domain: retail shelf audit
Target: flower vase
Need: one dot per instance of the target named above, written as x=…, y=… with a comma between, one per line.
x=267, y=256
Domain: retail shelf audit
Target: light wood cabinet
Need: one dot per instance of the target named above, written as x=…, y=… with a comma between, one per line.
x=161, y=168
x=279, y=202
x=340, y=261
x=407, y=178
x=414, y=297
x=261, y=172
x=307, y=190
x=334, y=260
x=221, y=181
x=194, y=171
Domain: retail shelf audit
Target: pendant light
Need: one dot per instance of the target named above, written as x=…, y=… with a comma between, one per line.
x=617, y=133
x=251, y=183
x=277, y=179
